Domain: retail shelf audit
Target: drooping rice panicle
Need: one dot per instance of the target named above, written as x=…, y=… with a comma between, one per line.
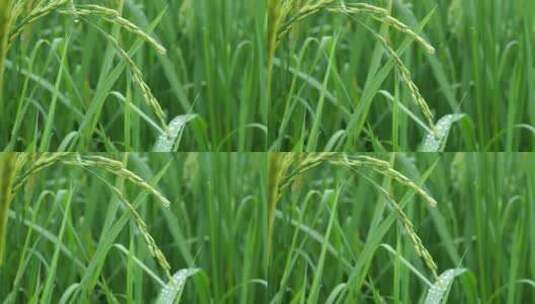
x=284, y=20
x=112, y=166
x=155, y=251
x=386, y=169
x=407, y=79
x=34, y=15
x=416, y=241
x=313, y=160
x=117, y=168
x=13, y=176
x=114, y=17
x=105, y=13
x=380, y=14
x=137, y=76
x=284, y=168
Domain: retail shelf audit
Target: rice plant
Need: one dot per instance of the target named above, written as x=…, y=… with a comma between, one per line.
x=114, y=75
x=273, y=75
x=164, y=228
x=267, y=228
x=29, y=13
x=348, y=75
x=343, y=231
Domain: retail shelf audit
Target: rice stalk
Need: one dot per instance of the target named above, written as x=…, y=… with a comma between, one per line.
x=278, y=165
x=5, y=25
x=34, y=15
x=275, y=14
x=27, y=7
x=7, y=175
x=8, y=171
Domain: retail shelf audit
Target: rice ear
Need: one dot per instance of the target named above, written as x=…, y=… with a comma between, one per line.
x=406, y=77
x=137, y=76
x=117, y=168
x=155, y=251
x=114, y=17
x=34, y=15
x=112, y=166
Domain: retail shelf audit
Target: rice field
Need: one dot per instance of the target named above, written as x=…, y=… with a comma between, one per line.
x=117, y=75
x=277, y=75
x=384, y=75
x=348, y=229
x=267, y=151
x=99, y=228
x=267, y=228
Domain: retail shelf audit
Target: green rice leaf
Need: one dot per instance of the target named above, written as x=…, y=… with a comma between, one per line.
x=166, y=142
x=436, y=142
x=437, y=294
x=172, y=292
x=456, y=17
